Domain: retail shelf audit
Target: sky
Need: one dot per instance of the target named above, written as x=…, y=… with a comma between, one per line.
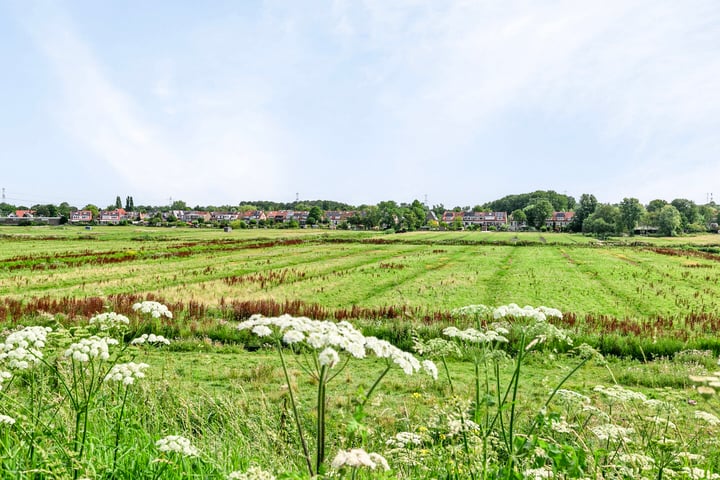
x=453, y=102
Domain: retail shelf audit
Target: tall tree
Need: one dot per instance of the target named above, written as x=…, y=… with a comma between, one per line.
x=689, y=213
x=538, y=213
x=669, y=221
x=586, y=207
x=604, y=221
x=631, y=211
x=118, y=202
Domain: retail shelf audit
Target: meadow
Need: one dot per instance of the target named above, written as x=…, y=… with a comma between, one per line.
x=621, y=386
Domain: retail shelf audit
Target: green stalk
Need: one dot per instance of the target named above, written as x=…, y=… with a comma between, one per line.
x=374, y=386
x=295, y=411
x=117, y=431
x=320, y=457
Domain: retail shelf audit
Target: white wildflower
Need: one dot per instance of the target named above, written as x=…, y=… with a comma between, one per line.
x=572, y=397
x=561, y=426
x=637, y=460
x=328, y=357
x=150, y=339
x=90, y=348
x=611, y=431
x=403, y=439
x=431, y=369
x=155, y=309
x=620, y=394
x=708, y=418
x=262, y=331
x=293, y=336
x=4, y=419
x=456, y=426
x=252, y=473
x=357, y=457
x=22, y=349
x=126, y=373
x=109, y=321
x=698, y=474
x=176, y=444
x=538, y=473
x=4, y=376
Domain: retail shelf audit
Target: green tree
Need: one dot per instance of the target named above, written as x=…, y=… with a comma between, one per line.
x=631, y=211
x=585, y=208
x=118, y=202
x=689, y=213
x=538, y=213
x=93, y=209
x=179, y=205
x=669, y=221
x=656, y=205
x=64, y=209
x=315, y=216
x=604, y=221
x=519, y=216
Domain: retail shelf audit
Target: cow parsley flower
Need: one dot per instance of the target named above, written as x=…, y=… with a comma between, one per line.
x=620, y=394
x=155, y=309
x=177, y=444
x=252, y=473
x=262, y=331
x=22, y=349
x=708, y=418
x=403, y=439
x=357, y=457
x=150, y=339
x=478, y=310
x=328, y=357
x=4, y=376
x=109, y=321
x=90, y=348
x=4, y=419
x=431, y=369
x=538, y=473
x=126, y=373
x=610, y=431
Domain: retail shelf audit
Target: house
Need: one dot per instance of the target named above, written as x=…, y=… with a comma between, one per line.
x=253, y=215
x=483, y=220
x=559, y=220
x=81, y=216
x=196, y=217
x=224, y=216
x=23, y=214
x=336, y=217
x=113, y=216
x=277, y=216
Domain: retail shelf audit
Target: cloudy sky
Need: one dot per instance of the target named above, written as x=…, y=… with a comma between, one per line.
x=462, y=101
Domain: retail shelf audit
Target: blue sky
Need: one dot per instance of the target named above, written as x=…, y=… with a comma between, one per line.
x=358, y=101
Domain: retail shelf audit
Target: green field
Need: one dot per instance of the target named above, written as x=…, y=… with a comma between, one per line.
x=645, y=410
x=423, y=272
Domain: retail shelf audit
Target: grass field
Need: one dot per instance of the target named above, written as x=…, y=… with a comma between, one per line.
x=647, y=410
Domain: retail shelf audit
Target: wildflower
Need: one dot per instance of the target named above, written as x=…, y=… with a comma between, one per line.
x=23, y=348
x=538, y=473
x=698, y=473
x=706, y=391
x=262, y=331
x=637, y=460
x=708, y=418
x=252, y=473
x=4, y=376
x=176, y=444
x=4, y=419
x=610, y=431
x=618, y=393
x=126, y=372
x=403, y=439
x=90, y=348
x=561, y=426
x=109, y=321
x=151, y=339
x=456, y=426
x=471, y=311
x=431, y=369
x=328, y=357
x=293, y=336
x=357, y=457
x=572, y=397
x=155, y=309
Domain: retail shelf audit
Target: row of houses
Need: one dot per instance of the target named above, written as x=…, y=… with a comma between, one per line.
x=483, y=220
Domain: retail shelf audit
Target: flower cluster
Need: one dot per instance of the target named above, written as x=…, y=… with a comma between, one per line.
x=252, y=473
x=155, y=309
x=476, y=336
x=404, y=439
x=4, y=419
x=177, y=444
x=151, y=339
x=619, y=394
x=539, y=314
x=109, y=321
x=90, y=348
x=126, y=372
x=611, y=431
x=474, y=311
x=341, y=336
x=4, y=376
x=708, y=418
x=23, y=348
x=357, y=457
